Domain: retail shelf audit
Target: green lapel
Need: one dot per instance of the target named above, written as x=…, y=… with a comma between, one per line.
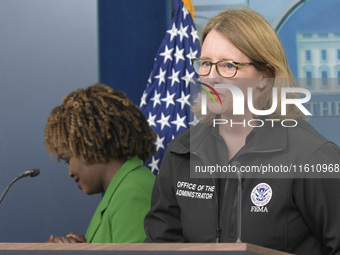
x=128, y=166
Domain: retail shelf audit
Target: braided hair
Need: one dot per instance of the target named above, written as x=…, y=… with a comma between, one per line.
x=97, y=124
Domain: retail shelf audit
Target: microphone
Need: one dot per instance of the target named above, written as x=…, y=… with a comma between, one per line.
x=239, y=200
x=32, y=173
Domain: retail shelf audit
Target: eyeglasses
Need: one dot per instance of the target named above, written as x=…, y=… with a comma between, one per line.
x=225, y=68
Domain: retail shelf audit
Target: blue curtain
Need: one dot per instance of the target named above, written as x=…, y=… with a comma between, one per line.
x=130, y=32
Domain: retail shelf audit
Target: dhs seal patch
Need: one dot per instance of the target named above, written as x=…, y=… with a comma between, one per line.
x=261, y=194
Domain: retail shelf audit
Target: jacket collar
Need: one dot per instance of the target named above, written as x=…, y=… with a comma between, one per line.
x=126, y=168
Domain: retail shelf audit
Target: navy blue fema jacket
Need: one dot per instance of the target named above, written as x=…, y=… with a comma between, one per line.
x=294, y=211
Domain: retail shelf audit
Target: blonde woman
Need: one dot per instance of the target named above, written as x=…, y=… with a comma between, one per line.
x=196, y=194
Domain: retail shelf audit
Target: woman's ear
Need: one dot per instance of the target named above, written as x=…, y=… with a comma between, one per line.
x=268, y=73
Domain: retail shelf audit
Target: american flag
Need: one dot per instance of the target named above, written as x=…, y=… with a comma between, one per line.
x=166, y=99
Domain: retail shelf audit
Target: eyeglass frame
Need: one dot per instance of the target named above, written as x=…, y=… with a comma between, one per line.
x=237, y=64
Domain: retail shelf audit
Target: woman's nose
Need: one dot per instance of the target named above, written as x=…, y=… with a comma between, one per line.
x=70, y=172
x=71, y=168
x=213, y=72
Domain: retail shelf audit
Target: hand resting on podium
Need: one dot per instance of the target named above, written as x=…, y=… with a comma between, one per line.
x=70, y=238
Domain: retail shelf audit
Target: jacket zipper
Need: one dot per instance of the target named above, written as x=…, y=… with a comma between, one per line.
x=217, y=214
x=238, y=225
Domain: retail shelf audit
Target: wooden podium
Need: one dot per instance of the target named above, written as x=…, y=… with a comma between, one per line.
x=135, y=249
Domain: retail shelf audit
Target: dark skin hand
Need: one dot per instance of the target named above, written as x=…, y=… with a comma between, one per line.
x=70, y=238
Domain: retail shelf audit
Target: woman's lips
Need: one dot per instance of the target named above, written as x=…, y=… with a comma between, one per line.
x=77, y=181
x=218, y=93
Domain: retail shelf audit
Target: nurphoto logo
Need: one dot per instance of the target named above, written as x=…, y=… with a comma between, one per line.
x=239, y=103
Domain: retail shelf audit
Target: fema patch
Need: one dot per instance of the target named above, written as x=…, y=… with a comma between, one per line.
x=261, y=194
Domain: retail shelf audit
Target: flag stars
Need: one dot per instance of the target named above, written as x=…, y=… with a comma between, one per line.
x=159, y=143
x=143, y=99
x=156, y=99
x=194, y=121
x=179, y=54
x=169, y=99
x=183, y=100
x=179, y=122
x=192, y=54
x=182, y=32
x=167, y=54
x=164, y=121
x=166, y=100
x=161, y=76
x=188, y=77
x=172, y=32
x=174, y=77
x=185, y=12
x=194, y=34
x=154, y=164
x=151, y=120
x=150, y=79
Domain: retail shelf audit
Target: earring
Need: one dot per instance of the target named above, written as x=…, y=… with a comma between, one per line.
x=261, y=86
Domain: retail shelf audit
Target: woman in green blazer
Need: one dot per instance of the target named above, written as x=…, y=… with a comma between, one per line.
x=104, y=138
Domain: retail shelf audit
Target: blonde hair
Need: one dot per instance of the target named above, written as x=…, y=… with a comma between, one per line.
x=97, y=124
x=255, y=37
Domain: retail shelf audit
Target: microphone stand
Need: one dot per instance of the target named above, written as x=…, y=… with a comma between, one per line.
x=239, y=203
x=7, y=188
x=33, y=172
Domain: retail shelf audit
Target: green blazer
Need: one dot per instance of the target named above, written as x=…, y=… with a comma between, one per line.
x=119, y=217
